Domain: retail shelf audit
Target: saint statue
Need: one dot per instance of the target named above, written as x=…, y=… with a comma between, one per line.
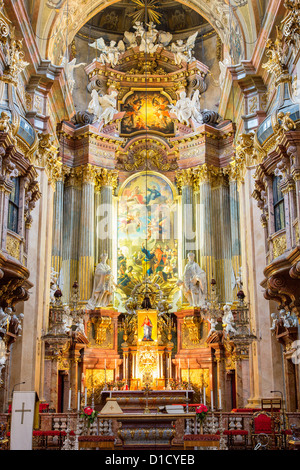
x=147, y=325
x=103, y=285
x=194, y=282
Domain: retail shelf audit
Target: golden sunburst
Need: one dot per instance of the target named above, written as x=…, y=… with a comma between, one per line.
x=146, y=10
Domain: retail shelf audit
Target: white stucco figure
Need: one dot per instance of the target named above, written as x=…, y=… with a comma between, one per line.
x=213, y=324
x=183, y=50
x=103, y=107
x=228, y=320
x=103, y=285
x=108, y=104
x=186, y=108
x=109, y=54
x=94, y=106
x=69, y=70
x=194, y=282
x=275, y=318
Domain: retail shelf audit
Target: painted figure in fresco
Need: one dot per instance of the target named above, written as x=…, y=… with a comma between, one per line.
x=103, y=285
x=154, y=194
x=149, y=259
x=194, y=282
x=147, y=325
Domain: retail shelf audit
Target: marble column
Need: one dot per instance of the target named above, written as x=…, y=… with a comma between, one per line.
x=235, y=229
x=188, y=229
x=204, y=233
x=57, y=234
x=86, y=241
x=71, y=231
x=106, y=184
x=222, y=239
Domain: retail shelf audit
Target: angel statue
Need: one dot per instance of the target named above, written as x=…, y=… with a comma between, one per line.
x=186, y=108
x=69, y=70
x=103, y=107
x=94, y=105
x=148, y=39
x=108, y=54
x=183, y=50
x=109, y=106
x=103, y=285
x=228, y=320
x=194, y=282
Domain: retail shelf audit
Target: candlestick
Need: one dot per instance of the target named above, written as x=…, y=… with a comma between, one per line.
x=69, y=404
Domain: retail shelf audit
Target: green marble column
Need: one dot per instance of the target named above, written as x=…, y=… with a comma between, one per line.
x=57, y=233
x=71, y=230
x=86, y=241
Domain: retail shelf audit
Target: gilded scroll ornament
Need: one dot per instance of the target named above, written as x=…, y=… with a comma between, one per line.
x=279, y=246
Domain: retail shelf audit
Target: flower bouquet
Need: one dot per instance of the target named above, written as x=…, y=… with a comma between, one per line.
x=201, y=412
x=89, y=414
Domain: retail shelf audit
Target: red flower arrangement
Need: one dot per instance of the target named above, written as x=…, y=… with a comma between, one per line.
x=201, y=412
x=89, y=414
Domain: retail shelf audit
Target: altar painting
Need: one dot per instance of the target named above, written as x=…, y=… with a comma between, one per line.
x=147, y=235
x=146, y=111
x=147, y=326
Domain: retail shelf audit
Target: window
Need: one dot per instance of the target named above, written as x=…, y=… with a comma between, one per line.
x=278, y=204
x=13, y=207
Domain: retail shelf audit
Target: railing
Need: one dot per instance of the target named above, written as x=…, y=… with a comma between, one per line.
x=65, y=425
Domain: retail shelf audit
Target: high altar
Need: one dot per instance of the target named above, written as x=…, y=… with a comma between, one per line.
x=145, y=190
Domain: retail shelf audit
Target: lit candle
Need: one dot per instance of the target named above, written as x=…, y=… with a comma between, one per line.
x=204, y=396
x=220, y=399
x=85, y=396
x=212, y=399
x=69, y=404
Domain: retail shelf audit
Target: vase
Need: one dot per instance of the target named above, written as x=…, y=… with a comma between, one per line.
x=201, y=431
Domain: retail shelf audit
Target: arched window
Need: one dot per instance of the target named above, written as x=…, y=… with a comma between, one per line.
x=278, y=203
x=13, y=206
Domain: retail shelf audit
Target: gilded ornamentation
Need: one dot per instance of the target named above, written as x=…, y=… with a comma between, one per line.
x=14, y=60
x=192, y=325
x=147, y=159
x=279, y=246
x=47, y=156
x=13, y=246
x=107, y=177
x=275, y=51
x=102, y=326
x=291, y=23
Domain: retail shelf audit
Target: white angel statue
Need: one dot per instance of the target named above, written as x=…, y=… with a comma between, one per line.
x=69, y=70
x=108, y=104
x=94, y=106
x=164, y=38
x=148, y=40
x=182, y=108
x=228, y=320
x=108, y=54
x=186, y=108
x=130, y=39
x=103, y=107
x=195, y=108
x=183, y=50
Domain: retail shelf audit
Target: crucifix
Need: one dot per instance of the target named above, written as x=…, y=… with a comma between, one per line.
x=22, y=411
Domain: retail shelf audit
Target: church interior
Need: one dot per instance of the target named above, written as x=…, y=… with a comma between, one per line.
x=149, y=217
